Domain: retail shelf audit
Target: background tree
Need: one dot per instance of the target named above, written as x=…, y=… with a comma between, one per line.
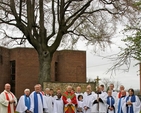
x=106, y=82
x=132, y=40
x=48, y=24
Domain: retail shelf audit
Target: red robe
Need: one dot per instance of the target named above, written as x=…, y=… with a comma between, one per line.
x=69, y=96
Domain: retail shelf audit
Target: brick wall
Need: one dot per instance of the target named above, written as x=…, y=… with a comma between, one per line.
x=71, y=66
x=26, y=69
x=66, y=66
x=4, y=67
x=63, y=86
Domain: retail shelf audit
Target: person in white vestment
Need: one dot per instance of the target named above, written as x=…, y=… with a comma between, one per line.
x=89, y=88
x=114, y=93
x=119, y=93
x=88, y=97
x=99, y=102
x=78, y=92
x=49, y=100
x=24, y=103
x=132, y=102
x=58, y=104
x=121, y=103
x=8, y=100
x=38, y=104
x=110, y=102
x=80, y=104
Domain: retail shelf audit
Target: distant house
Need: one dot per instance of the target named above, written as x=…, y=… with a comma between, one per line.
x=20, y=68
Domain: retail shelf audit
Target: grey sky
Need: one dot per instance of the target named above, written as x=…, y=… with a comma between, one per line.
x=98, y=66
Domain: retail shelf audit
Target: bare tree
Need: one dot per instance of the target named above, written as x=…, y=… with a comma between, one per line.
x=48, y=24
x=106, y=82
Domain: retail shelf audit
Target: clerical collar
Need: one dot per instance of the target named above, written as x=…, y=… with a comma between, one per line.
x=89, y=94
x=98, y=92
x=122, y=96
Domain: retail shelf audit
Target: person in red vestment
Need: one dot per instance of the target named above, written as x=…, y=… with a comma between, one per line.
x=70, y=101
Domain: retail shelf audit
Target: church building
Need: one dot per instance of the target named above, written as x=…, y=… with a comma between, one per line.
x=20, y=68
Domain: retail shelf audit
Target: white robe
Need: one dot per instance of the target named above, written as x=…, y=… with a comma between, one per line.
x=41, y=105
x=136, y=105
x=80, y=104
x=102, y=106
x=122, y=104
x=4, y=102
x=21, y=107
x=49, y=102
x=114, y=94
x=77, y=94
x=58, y=106
x=87, y=101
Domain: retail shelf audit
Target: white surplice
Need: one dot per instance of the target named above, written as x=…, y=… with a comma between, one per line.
x=4, y=102
x=21, y=107
x=41, y=105
x=49, y=102
x=121, y=105
x=58, y=106
x=136, y=105
x=87, y=101
x=101, y=106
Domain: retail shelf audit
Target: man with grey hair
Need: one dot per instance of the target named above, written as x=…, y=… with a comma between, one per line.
x=69, y=100
x=121, y=103
x=8, y=100
x=24, y=103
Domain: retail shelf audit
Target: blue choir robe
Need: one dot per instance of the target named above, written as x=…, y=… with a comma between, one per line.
x=23, y=104
x=121, y=105
x=136, y=104
x=38, y=104
x=110, y=103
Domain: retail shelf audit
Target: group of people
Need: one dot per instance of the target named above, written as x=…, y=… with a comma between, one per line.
x=70, y=101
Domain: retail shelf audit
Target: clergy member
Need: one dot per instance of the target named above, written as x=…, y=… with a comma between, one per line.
x=37, y=101
x=87, y=100
x=121, y=103
x=58, y=104
x=78, y=92
x=99, y=102
x=70, y=101
x=49, y=101
x=23, y=105
x=132, y=102
x=110, y=103
x=114, y=93
x=8, y=100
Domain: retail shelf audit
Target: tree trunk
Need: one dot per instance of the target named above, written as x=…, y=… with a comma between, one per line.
x=44, y=66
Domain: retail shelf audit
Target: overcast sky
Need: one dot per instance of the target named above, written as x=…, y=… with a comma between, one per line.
x=98, y=66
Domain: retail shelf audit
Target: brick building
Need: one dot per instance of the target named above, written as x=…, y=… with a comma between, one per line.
x=19, y=67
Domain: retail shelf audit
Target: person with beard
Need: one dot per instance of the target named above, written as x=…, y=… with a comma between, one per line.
x=58, y=104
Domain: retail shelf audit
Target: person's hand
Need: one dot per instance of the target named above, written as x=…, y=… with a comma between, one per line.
x=129, y=103
x=11, y=101
x=111, y=108
x=69, y=103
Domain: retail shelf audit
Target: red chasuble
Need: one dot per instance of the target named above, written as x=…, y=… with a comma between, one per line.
x=69, y=97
